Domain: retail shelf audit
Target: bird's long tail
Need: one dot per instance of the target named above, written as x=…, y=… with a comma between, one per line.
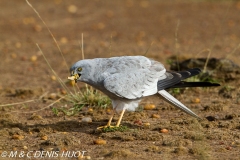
x=170, y=99
x=174, y=80
x=184, y=84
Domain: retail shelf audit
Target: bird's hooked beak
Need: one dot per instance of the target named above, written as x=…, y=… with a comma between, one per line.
x=74, y=77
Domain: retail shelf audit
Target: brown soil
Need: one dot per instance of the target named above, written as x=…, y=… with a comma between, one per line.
x=115, y=28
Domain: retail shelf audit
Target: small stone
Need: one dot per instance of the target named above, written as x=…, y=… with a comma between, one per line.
x=33, y=58
x=228, y=148
x=63, y=91
x=25, y=147
x=72, y=9
x=84, y=157
x=88, y=157
x=87, y=119
x=38, y=28
x=18, y=137
x=147, y=125
x=53, y=78
x=90, y=110
x=149, y=107
x=63, y=40
x=52, y=96
x=138, y=122
x=109, y=111
x=36, y=117
x=196, y=100
x=44, y=138
x=155, y=116
x=49, y=149
x=100, y=142
x=14, y=55
x=164, y=130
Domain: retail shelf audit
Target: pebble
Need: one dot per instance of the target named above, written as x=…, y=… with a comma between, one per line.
x=18, y=137
x=84, y=157
x=109, y=111
x=88, y=157
x=44, y=138
x=33, y=58
x=146, y=124
x=149, y=107
x=36, y=117
x=138, y=122
x=87, y=119
x=25, y=147
x=63, y=91
x=164, y=130
x=38, y=28
x=196, y=100
x=155, y=116
x=72, y=9
x=90, y=110
x=63, y=40
x=14, y=55
x=52, y=96
x=99, y=141
x=53, y=78
x=228, y=148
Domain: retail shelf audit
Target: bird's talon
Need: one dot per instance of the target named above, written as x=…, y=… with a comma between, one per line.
x=106, y=126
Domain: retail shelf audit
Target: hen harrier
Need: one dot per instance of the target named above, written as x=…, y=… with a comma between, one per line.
x=125, y=80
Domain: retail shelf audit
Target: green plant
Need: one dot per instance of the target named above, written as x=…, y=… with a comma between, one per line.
x=114, y=129
x=85, y=98
x=175, y=91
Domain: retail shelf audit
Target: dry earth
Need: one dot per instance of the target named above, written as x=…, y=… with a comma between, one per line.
x=114, y=28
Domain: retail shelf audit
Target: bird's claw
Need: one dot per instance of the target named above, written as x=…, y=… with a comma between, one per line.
x=106, y=126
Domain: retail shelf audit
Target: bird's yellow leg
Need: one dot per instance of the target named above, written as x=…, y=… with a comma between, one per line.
x=109, y=122
x=120, y=118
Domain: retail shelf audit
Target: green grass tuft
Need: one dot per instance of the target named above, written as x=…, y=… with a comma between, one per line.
x=114, y=129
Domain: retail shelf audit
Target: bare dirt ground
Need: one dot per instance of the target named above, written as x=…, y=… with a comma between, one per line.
x=115, y=28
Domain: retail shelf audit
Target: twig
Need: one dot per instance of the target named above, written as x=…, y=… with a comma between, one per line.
x=110, y=47
x=48, y=31
x=210, y=51
x=176, y=44
x=41, y=108
x=28, y=101
x=148, y=49
x=13, y=104
x=82, y=48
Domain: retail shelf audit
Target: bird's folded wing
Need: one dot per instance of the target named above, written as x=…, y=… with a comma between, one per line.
x=131, y=85
x=132, y=81
x=170, y=99
x=173, y=78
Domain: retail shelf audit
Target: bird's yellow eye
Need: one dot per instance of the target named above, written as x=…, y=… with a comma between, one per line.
x=79, y=69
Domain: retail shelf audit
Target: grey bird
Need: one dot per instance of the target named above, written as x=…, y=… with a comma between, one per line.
x=127, y=79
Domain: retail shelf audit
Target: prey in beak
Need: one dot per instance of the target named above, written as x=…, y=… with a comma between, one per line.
x=74, y=77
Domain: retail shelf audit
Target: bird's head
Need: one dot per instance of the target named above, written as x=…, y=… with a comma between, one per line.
x=80, y=71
